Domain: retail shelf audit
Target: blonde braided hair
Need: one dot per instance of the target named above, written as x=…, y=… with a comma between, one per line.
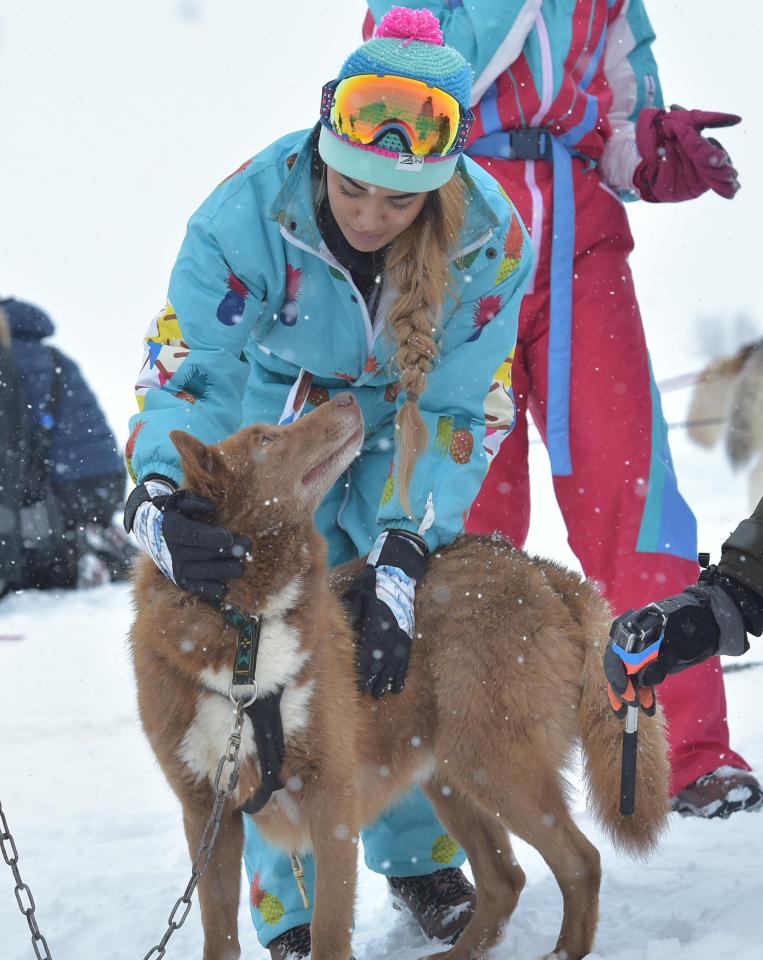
x=418, y=264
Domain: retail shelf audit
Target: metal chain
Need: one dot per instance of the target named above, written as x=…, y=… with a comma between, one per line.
x=11, y=857
x=200, y=862
x=209, y=837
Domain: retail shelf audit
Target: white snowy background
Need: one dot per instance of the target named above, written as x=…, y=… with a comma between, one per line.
x=116, y=120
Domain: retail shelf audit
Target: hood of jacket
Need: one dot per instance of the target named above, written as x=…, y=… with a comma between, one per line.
x=27, y=322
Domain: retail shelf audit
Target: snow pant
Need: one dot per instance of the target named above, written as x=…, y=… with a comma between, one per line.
x=626, y=521
x=407, y=840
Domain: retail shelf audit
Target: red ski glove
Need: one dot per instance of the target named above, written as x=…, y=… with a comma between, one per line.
x=678, y=162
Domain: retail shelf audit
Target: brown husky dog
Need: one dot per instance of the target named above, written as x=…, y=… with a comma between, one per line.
x=505, y=677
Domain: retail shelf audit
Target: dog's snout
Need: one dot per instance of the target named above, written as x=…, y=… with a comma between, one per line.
x=345, y=400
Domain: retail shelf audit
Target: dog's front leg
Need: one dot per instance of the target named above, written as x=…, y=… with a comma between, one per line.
x=220, y=887
x=334, y=833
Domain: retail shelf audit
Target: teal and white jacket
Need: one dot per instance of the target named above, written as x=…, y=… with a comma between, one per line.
x=261, y=321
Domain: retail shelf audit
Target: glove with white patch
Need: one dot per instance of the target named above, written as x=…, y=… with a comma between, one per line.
x=196, y=556
x=380, y=602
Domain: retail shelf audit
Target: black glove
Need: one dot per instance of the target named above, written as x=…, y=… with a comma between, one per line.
x=742, y=567
x=711, y=618
x=380, y=602
x=196, y=556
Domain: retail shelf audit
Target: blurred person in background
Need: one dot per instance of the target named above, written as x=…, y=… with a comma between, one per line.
x=570, y=120
x=61, y=478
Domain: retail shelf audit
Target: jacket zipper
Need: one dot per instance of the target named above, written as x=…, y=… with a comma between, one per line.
x=333, y=262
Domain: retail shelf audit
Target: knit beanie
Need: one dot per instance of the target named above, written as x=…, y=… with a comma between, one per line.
x=382, y=141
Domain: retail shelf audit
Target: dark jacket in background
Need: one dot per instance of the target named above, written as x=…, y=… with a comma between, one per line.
x=82, y=445
x=61, y=475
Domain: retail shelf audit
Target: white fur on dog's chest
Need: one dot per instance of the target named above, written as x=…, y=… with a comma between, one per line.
x=279, y=661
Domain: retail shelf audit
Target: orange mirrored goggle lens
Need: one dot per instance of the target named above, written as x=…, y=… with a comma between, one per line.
x=382, y=111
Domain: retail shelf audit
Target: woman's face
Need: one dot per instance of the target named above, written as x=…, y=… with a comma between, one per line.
x=370, y=217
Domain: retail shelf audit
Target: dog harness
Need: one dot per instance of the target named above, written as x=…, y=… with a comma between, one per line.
x=264, y=712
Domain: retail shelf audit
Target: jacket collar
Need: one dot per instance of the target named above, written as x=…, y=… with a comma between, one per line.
x=480, y=222
x=294, y=205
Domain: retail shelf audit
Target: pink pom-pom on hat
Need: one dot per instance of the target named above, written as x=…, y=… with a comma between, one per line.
x=409, y=25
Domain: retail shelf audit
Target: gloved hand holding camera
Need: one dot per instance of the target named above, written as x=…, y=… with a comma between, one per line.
x=713, y=617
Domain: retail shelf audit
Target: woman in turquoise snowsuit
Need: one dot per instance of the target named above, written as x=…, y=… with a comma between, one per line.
x=369, y=255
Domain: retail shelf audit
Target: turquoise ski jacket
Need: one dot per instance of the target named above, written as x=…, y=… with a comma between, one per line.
x=262, y=321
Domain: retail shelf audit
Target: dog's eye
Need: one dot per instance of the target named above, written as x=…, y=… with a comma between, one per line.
x=266, y=439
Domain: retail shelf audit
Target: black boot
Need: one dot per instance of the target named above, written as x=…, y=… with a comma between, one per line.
x=719, y=794
x=292, y=945
x=442, y=902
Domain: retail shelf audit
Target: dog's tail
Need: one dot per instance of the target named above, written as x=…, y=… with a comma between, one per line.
x=601, y=734
x=745, y=429
x=711, y=399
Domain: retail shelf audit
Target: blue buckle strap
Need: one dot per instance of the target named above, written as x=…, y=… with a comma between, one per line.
x=560, y=323
x=537, y=144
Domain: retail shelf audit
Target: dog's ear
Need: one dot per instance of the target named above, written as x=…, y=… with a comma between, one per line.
x=202, y=465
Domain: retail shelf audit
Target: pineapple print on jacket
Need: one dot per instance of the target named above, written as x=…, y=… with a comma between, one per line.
x=289, y=312
x=389, y=486
x=512, y=251
x=130, y=448
x=231, y=308
x=238, y=170
x=195, y=386
x=271, y=908
x=318, y=395
x=454, y=438
x=486, y=308
x=444, y=849
x=165, y=350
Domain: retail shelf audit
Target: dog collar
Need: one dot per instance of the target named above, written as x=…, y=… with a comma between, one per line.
x=264, y=712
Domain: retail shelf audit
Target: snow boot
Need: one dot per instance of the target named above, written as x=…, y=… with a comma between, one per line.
x=719, y=794
x=442, y=902
x=292, y=945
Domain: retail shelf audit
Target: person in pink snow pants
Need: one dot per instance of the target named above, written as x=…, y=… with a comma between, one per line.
x=570, y=120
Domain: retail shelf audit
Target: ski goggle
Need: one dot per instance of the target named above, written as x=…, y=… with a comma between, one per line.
x=396, y=114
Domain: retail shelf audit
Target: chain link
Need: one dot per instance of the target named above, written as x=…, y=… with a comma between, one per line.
x=209, y=837
x=11, y=857
x=180, y=911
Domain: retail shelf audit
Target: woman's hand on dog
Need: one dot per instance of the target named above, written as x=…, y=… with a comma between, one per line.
x=197, y=556
x=380, y=602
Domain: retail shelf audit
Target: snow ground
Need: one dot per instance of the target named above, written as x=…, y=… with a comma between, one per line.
x=118, y=120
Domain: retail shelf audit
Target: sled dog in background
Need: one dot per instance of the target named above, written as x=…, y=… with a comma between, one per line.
x=505, y=677
x=728, y=399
